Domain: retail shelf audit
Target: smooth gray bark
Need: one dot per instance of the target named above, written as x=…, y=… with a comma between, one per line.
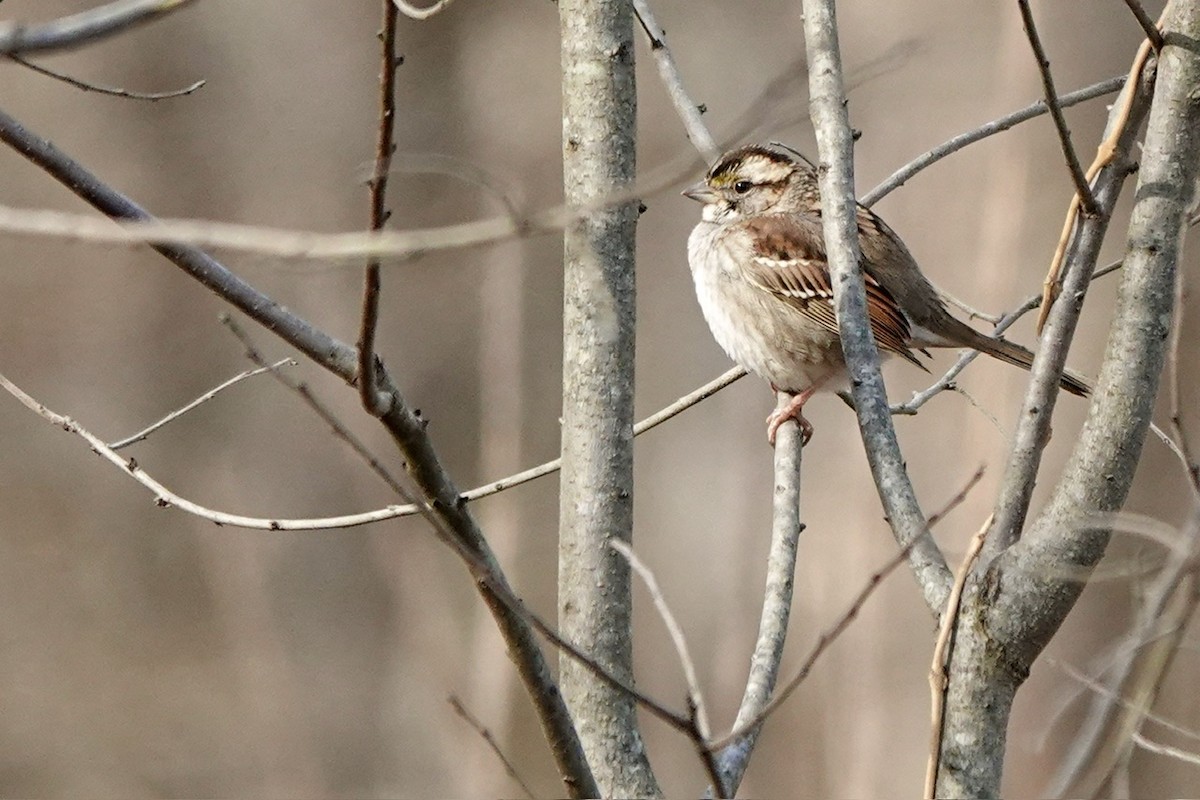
x=596, y=497
x=835, y=146
x=1010, y=614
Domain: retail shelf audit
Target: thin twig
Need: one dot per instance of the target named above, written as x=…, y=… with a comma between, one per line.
x=827, y=638
x=1105, y=153
x=946, y=381
x=939, y=680
x=343, y=247
x=767, y=658
x=1166, y=750
x=1152, y=32
x=340, y=429
x=101, y=89
x=689, y=112
x=1082, y=186
x=409, y=10
x=1191, y=467
x=490, y=740
x=957, y=500
x=953, y=145
x=695, y=695
x=204, y=398
x=1032, y=432
x=377, y=187
x=82, y=28
x=1098, y=687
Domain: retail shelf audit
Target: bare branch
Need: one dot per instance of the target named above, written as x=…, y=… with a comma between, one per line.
x=599, y=156
x=1166, y=750
x=202, y=399
x=1029, y=592
x=1082, y=187
x=688, y=111
x=835, y=144
x=490, y=741
x=342, y=247
x=767, y=659
x=1118, y=120
x=82, y=28
x=695, y=695
x=939, y=678
x=442, y=504
x=902, y=175
x=826, y=639
x=1033, y=423
x=377, y=188
x=109, y=90
x=1152, y=32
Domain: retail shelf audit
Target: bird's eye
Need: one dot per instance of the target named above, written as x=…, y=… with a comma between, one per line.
x=741, y=187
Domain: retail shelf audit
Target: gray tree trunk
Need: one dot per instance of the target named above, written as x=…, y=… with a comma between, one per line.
x=596, y=500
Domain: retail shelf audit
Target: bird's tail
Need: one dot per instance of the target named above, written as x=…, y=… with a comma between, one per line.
x=1012, y=353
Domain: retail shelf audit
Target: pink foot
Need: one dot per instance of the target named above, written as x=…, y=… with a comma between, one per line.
x=791, y=411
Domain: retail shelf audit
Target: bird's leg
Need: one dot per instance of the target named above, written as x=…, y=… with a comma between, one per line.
x=792, y=411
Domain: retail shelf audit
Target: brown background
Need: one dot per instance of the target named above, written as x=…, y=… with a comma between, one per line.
x=145, y=652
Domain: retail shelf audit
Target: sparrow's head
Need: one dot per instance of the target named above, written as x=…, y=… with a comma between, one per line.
x=756, y=179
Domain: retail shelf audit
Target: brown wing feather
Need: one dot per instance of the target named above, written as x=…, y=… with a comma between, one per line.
x=789, y=262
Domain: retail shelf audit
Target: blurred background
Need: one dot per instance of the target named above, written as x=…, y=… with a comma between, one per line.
x=149, y=653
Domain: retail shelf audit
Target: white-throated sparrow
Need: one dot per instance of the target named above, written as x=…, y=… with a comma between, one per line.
x=758, y=260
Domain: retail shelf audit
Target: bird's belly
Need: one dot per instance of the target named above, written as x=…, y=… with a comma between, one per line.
x=768, y=337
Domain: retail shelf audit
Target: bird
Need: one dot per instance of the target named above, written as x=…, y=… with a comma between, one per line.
x=759, y=264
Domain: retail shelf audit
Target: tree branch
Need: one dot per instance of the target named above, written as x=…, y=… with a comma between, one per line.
x=596, y=488
x=1015, y=607
x=82, y=28
x=1082, y=187
x=1033, y=424
x=446, y=511
x=377, y=185
x=835, y=145
x=767, y=659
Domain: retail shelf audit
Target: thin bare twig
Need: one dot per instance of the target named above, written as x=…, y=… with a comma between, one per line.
x=341, y=247
x=1105, y=153
x=82, y=28
x=695, y=695
x=1152, y=32
x=339, y=429
x=957, y=500
x=1166, y=750
x=490, y=741
x=689, y=112
x=204, y=398
x=377, y=186
x=953, y=145
x=767, y=658
x=826, y=639
x=101, y=89
x=1033, y=424
x=1082, y=186
x=1096, y=686
x=939, y=680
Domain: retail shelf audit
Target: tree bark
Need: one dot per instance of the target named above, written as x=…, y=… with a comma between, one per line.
x=596, y=498
x=1012, y=611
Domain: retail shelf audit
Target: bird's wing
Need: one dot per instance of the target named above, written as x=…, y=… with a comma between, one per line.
x=788, y=261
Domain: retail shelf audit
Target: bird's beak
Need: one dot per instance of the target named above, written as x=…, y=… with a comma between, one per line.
x=700, y=192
